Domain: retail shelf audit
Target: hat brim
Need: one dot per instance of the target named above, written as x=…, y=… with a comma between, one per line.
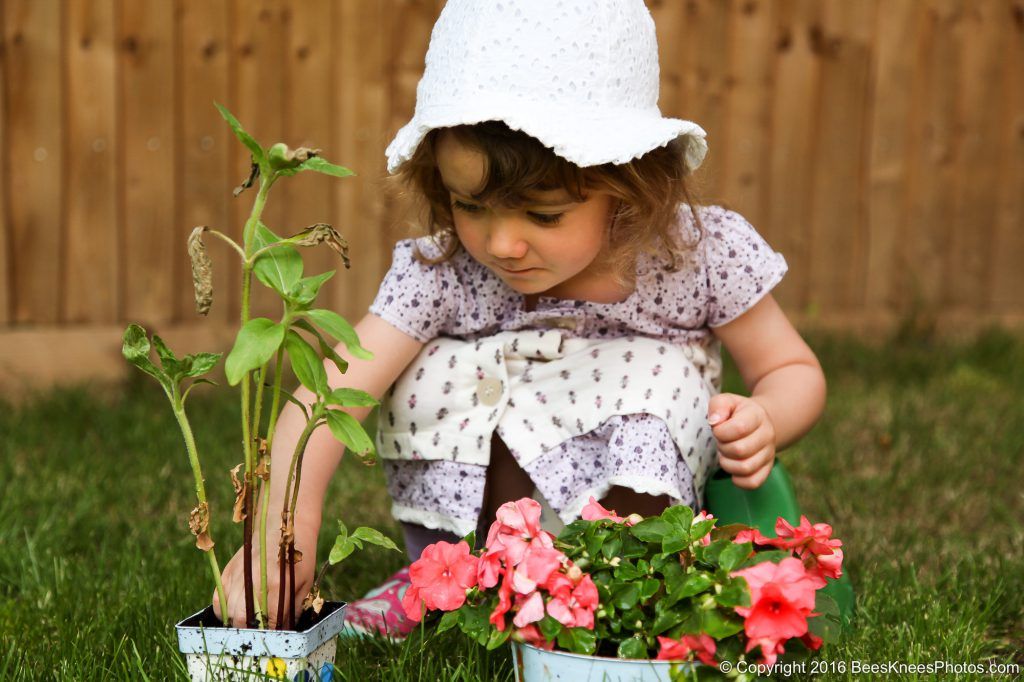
x=614, y=137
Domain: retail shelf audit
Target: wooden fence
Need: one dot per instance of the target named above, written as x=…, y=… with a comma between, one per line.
x=879, y=144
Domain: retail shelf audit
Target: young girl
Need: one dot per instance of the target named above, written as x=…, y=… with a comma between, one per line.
x=558, y=329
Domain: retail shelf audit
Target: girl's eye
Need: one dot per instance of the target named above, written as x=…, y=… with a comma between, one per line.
x=547, y=218
x=468, y=208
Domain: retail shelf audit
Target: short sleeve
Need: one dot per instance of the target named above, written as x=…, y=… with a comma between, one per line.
x=416, y=298
x=741, y=267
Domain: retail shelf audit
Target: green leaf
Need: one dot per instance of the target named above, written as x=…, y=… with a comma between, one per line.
x=325, y=348
x=680, y=516
x=666, y=618
x=549, y=627
x=693, y=583
x=172, y=366
x=717, y=625
x=648, y=588
x=734, y=593
x=335, y=325
x=342, y=548
x=450, y=620
x=321, y=165
x=201, y=363
x=611, y=546
x=701, y=528
x=498, y=637
x=255, y=344
x=733, y=555
x=626, y=595
x=374, y=537
x=349, y=431
x=350, y=397
x=829, y=624
x=578, y=640
x=632, y=648
x=280, y=268
x=257, y=152
x=308, y=366
x=650, y=530
x=135, y=348
x=676, y=541
x=305, y=291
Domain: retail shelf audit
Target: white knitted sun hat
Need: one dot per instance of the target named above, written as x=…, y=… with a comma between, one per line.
x=581, y=76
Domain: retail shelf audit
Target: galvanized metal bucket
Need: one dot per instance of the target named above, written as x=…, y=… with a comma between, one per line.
x=220, y=654
x=537, y=665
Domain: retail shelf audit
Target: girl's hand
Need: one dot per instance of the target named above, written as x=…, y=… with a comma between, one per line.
x=233, y=578
x=746, y=438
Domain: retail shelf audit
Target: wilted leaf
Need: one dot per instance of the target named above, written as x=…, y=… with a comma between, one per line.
x=238, y=513
x=282, y=157
x=254, y=172
x=202, y=270
x=199, y=523
x=322, y=232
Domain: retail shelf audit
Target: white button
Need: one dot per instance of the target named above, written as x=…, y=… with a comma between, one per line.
x=489, y=391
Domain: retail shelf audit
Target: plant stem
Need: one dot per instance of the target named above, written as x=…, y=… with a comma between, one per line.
x=248, y=241
x=286, y=519
x=197, y=472
x=265, y=501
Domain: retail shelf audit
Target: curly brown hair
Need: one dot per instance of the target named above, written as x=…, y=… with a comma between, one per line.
x=649, y=190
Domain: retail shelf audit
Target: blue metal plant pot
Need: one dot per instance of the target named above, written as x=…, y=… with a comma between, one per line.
x=533, y=664
x=214, y=652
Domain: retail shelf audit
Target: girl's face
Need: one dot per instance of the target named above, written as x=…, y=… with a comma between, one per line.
x=546, y=246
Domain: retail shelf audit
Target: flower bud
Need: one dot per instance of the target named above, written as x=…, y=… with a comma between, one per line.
x=616, y=560
x=575, y=573
x=633, y=519
x=283, y=158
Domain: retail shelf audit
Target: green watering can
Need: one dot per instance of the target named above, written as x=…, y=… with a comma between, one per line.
x=760, y=508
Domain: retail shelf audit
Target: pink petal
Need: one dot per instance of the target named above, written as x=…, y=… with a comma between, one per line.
x=531, y=611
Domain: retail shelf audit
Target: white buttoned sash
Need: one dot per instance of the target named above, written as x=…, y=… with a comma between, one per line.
x=541, y=388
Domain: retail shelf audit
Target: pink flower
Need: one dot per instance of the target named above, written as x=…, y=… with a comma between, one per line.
x=530, y=610
x=753, y=535
x=571, y=604
x=538, y=563
x=489, y=568
x=680, y=649
x=440, y=578
x=814, y=545
x=516, y=526
x=781, y=599
x=593, y=511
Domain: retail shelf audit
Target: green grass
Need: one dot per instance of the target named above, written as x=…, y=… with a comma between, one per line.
x=917, y=463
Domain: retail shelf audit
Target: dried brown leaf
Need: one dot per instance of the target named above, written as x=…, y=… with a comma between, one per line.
x=199, y=524
x=238, y=512
x=322, y=232
x=202, y=270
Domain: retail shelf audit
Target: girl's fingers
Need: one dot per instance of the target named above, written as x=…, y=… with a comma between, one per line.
x=748, y=445
x=749, y=466
x=755, y=480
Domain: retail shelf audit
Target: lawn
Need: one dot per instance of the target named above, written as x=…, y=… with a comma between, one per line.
x=917, y=463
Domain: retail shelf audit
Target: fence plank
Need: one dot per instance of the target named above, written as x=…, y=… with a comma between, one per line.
x=91, y=286
x=6, y=279
x=967, y=260
x=1006, y=294
x=888, y=163
x=308, y=122
x=706, y=54
x=839, y=240
x=206, y=145
x=745, y=160
x=147, y=127
x=34, y=132
x=793, y=122
x=260, y=34
x=931, y=181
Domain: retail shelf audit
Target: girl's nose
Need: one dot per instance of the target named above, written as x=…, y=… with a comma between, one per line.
x=505, y=241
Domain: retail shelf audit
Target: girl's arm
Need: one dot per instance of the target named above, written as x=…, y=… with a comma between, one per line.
x=787, y=392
